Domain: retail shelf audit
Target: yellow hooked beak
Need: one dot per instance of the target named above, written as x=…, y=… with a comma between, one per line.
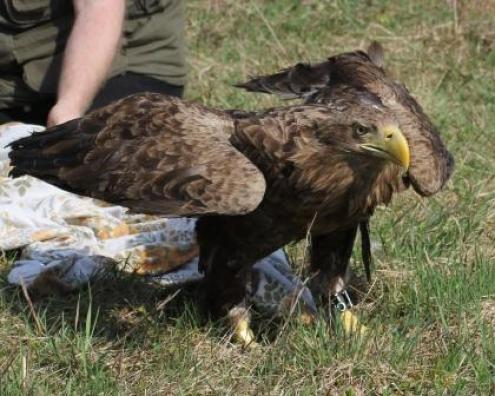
x=391, y=144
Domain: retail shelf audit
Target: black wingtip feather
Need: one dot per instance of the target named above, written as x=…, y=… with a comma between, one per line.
x=31, y=155
x=364, y=229
x=252, y=85
x=297, y=81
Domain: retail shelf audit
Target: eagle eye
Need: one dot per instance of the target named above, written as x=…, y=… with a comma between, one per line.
x=360, y=129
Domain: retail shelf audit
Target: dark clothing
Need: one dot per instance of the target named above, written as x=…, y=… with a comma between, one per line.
x=131, y=83
x=33, y=35
x=114, y=89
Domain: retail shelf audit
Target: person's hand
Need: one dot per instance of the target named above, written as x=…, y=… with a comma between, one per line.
x=61, y=113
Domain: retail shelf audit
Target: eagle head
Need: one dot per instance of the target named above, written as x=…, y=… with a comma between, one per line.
x=384, y=141
x=360, y=123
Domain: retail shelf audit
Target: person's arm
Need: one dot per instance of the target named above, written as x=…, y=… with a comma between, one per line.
x=90, y=50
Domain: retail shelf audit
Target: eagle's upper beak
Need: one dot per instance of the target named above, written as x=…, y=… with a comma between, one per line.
x=391, y=144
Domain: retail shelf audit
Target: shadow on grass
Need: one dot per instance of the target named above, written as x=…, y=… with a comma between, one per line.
x=118, y=306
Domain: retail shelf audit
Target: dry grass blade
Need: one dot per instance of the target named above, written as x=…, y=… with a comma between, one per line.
x=25, y=292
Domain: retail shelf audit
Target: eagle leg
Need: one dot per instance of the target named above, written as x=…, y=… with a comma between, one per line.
x=225, y=296
x=329, y=262
x=226, y=271
x=225, y=286
x=229, y=247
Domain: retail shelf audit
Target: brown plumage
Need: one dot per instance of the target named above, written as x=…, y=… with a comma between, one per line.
x=431, y=163
x=257, y=180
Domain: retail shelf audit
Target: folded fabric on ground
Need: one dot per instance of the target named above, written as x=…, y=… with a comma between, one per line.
x=75, y=238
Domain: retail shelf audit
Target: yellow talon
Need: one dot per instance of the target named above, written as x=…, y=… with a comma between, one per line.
x=306, y=318
x=351, y=324
x=243, y=334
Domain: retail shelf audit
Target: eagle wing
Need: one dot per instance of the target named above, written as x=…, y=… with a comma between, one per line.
x=149, y=152
x=431, y=163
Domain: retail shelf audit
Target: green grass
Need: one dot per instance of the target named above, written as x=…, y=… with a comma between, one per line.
x=431, y=308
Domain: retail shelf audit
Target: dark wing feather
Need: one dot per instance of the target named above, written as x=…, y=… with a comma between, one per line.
x=431, y=163
x=298, y=81
x=148, y=152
